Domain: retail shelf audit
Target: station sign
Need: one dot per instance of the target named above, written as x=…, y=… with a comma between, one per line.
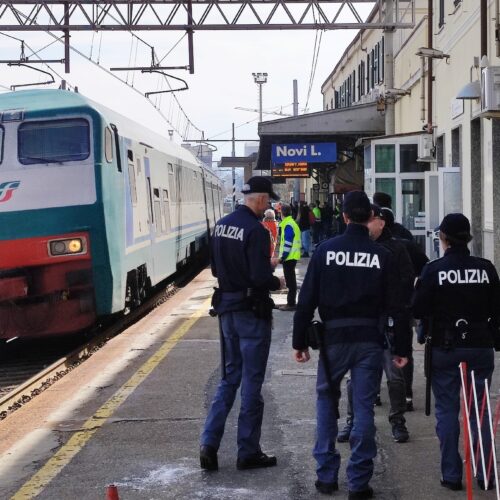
x=321, y=152
x=288, y=169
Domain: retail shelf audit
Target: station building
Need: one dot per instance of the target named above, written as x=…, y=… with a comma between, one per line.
x=441, y=147
x=417, y=111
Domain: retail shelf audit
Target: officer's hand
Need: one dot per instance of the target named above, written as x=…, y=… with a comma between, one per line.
x=282, y=282
x=274, y=261
x=301, y=356
x=399, y=362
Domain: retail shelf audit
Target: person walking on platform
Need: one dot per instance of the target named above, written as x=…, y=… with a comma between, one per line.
x=352, y=282
x=395, y=378
x=304, y=224
x=289, y=255
x=316, y=229
x=459, y=297
x=418, y=259
x=271, y=225
x=384, y=200
x=240, y=261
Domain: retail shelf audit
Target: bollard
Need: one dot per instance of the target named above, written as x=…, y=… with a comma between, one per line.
x=112, y=492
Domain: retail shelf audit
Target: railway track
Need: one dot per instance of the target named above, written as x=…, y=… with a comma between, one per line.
x=34, y=369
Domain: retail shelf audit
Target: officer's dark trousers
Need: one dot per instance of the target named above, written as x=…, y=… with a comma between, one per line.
x=246, y=341
x=395, y=387
x=364, y=359
x=446, y=387
x=291, y=281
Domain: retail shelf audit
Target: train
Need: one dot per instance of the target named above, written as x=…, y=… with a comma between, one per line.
x=95, y=211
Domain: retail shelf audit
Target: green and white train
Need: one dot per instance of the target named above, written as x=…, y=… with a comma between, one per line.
x=95, y=209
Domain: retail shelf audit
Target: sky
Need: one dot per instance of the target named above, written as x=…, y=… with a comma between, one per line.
x=224, y=63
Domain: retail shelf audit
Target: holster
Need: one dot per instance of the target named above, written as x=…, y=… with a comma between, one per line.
x=262, y=305
x=216, y=299
x=315, y=334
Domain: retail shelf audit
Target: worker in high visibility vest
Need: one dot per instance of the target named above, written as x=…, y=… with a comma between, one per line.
x=289, y=254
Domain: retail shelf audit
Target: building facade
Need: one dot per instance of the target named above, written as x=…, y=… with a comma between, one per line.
x=439, y=152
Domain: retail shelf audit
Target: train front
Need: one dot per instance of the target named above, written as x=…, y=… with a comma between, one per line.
x=47, y=197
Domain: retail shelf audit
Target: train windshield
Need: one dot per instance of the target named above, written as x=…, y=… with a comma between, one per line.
x=54, y=141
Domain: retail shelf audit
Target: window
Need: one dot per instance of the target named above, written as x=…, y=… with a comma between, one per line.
x=166, y=212
x=2, y=134
x=385, y=158
x=456, y=149
x=441, y=13
x=170, y=168
x=108, y=144
x=382, y=59
x=386, y=186
x=408, y=154
x=132, y=183
x=53, y=141
x=368, y=86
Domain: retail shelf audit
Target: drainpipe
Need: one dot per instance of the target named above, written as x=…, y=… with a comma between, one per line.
x=484, y=28
x=430, y=76
x=422, y=90
x=497, y=26
x=389, y=67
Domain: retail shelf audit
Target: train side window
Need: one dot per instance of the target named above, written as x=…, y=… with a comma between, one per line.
x=170, y=169
x=159, y=215
x=2, y=135
x=166, y=211
x=108, y=144
x=131, y=180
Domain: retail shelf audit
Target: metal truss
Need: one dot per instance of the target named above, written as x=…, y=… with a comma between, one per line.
x=189, y=15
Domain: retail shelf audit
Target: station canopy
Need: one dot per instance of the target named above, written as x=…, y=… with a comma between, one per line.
x=341, y=126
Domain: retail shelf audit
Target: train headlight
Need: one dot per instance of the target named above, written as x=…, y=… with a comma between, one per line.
x=67, y=247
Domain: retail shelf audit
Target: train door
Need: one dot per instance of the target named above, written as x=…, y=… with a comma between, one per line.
x=138, y=195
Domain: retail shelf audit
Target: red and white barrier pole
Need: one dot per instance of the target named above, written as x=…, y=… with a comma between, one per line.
x=469, y=457
x=493, y=453
x=479, y=433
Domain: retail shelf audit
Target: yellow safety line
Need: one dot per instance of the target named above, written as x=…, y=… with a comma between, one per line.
x=63, y=457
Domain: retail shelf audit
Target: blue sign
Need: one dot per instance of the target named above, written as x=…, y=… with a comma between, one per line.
x=321, y=152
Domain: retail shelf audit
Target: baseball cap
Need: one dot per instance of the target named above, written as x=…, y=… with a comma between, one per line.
x=382, y=199
x=377, y=211
x=457, y=226
x=259, y=184
x=357, y=206
x=388, y=215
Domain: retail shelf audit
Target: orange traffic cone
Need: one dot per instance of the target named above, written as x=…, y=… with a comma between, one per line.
x=112, y=492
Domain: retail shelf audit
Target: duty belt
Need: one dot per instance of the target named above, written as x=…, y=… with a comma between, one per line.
x=240, y=294
x=345, y=322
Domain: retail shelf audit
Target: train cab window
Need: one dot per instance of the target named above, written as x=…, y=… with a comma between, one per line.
x=2, y=134
x=53, y=141
x=108, y=144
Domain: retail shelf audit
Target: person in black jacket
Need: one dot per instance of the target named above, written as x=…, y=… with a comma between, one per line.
x=352, y=282
x=304, y=222
x=418, y=259
x=384, y=200
x=395, y=377
x=459, y=296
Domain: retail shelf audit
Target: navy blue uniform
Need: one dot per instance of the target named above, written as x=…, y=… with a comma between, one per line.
x=452, y=288
x=351, y=281
x=241, y=263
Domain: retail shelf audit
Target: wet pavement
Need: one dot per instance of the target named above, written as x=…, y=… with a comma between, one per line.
x=146, y=439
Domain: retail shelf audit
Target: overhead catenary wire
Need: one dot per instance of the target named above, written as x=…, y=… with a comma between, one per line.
x=97, y=64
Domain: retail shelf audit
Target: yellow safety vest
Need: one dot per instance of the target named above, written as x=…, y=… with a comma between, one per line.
x=295, y=251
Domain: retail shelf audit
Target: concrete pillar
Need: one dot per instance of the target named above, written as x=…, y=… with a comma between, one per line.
x=496, y=190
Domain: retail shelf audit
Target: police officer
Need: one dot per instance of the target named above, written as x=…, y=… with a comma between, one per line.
x=242, y=265
x=460, y=296
x=289, y=255
x=351, y=281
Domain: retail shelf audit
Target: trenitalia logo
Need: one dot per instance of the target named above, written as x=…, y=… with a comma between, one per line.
x=7, y=189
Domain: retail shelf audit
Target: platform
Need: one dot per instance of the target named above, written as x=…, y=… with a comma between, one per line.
x=131, y=415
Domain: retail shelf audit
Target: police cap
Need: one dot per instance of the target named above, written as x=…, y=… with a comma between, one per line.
x=357, y=206
x=456, y=226
x=259, y=184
